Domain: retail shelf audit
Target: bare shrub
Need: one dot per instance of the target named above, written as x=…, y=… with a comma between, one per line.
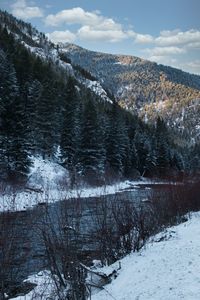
x=61, y=237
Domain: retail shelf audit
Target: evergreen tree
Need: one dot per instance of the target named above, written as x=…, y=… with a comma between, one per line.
x=13, y=156
x=92, y=152
x=70, y=131
x=18, y=152
x=32, y=93
x=46, y=120
x=162, y=148
x=117, y=141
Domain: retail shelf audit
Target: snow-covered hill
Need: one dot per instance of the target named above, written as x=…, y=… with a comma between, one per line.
x=166, y=269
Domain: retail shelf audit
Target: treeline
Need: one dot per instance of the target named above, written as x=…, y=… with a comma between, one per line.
x=44, y=111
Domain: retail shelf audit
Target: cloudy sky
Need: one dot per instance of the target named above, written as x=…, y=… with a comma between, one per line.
x=167, y=32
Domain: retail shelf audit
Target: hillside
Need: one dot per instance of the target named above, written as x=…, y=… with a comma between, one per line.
x=166, y=269
x=145, y=87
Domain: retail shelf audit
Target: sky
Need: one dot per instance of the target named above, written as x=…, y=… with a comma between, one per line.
x=164, y=31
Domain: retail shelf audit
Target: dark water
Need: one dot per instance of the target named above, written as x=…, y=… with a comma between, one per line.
x=22, y=230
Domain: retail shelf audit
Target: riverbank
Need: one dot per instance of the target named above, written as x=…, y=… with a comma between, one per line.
x=48, y=182
x=29, y=197
x=166, y=268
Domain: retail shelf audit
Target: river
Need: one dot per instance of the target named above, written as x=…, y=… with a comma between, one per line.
x=22, y=244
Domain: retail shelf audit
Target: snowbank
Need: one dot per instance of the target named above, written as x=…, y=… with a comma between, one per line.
x=168, y=268
x=45, y=288
x=45, y=174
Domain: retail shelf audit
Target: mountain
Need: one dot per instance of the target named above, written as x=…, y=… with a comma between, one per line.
x=144, y=87
x=55, y=106
x=38, y=44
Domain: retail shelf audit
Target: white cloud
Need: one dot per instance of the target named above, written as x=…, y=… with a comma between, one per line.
x=140, y=38
x=94, y=26
x=78, y=15
x=89, y=34
x=167, y=33
x=168, y=47
x=193, y=66
x=166, y=60
x=20, y=9
x=143, y=38
x=61, y=36
x=164, y=51
x=194, y=46
x=178, y=38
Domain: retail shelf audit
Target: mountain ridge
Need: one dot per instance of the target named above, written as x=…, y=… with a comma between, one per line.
x=144, y=87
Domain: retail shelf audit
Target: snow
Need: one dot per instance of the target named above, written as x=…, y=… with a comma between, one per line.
x=45, y=288
x=49, y=182
x=45, y=173
x=36, y=50
x=167, y=268
x=96, y=87
x=51, y=53
x=68, y=67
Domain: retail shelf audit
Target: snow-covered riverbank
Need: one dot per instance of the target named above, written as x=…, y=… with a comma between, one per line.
x=18, y=201
x=48, y=183
x=167, y=268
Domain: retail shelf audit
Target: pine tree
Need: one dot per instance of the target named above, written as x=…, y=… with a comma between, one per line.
x=46, y=120
x=92, y=152
x=13, y=157
x=32, y=93
x=162, y=148
x=18, y=151
x=143, y=148
x=70, y=130
x=117, y=141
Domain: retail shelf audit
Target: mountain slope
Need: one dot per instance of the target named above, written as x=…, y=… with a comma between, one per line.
x=38, y=44
x=145, y=87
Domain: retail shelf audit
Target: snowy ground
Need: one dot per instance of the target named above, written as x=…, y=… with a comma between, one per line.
x=44, y=290
x=164, y=270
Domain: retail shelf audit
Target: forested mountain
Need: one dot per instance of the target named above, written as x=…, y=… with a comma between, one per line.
x=58, y=109
x=149, y=89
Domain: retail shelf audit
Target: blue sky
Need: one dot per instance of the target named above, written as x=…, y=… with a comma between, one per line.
x=167, y=32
